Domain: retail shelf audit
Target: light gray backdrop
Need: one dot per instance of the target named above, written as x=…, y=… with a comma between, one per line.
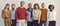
x=56, y=3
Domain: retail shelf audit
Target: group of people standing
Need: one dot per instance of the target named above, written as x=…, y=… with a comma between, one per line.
x=35, y=16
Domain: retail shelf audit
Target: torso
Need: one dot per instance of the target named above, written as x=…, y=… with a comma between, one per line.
x=43, y=14
x=6, y=13
x=36, y=14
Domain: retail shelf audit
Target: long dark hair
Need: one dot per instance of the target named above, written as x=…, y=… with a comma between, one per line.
x=5, y=6
x=37, y=5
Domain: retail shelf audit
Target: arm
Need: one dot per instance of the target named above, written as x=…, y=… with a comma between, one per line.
x=16, y=14
x=39, y=17
x=47, y=18
x=33, y=13
x=2, y=13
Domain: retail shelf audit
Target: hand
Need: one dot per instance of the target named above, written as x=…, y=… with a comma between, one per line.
x=25, y=21
x=11, y=21
x=38, y=22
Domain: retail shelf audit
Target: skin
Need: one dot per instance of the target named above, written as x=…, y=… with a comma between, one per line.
x=13, y=6
x=43, y=5
x=22, y=3
x=29, y=5
x=36, y=6
x=51, y=8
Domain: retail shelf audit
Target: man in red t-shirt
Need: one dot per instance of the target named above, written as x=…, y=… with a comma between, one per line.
x=21, y=14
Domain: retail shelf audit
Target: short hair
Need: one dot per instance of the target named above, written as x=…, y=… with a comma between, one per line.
x=22, y=1
x=50, y=6
x=37, y=5
x=13, y=4
x=29, y=4
x=42, y=3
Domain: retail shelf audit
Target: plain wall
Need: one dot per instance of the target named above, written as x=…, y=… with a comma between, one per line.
x=17, y=3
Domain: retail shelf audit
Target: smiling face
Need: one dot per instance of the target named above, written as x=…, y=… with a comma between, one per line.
x=36, y=6
x=51, y=7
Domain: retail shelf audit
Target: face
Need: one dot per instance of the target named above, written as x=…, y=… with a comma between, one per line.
x=30, y=5
x=7, y=6
x=22, y=3
x=51, y=8
x=13, y=6
x=36, y=6
x=43, y=5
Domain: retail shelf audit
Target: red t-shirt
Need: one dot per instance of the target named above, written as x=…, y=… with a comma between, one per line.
x=21, y=13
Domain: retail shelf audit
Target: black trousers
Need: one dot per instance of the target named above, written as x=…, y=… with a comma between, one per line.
x=52, y=23
x=13, y=23
x=35, y=22
x=29, y=23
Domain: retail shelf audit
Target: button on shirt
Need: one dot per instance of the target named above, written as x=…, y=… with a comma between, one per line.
x=29, y=14
x=51, y=16
x=13, y=14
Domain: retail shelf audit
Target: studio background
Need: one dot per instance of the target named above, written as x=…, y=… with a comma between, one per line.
x=56, y=3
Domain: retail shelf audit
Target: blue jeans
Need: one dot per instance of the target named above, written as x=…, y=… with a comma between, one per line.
x=42, y=23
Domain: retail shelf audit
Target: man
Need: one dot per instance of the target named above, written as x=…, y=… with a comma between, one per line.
x=51, y=15
x=21, y=14
x=29, y=15
x=13, y=15
x=43, y=18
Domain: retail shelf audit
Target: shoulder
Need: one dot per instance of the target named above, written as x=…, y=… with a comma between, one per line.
x=54, y=12
x=18, y=7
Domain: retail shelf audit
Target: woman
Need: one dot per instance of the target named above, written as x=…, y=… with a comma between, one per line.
x=6, y=15
x=36, y=14
x=51, y=15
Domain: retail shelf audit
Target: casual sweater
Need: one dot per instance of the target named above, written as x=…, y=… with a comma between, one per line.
x=21, y=13
x=43, y=14
x=36, y=14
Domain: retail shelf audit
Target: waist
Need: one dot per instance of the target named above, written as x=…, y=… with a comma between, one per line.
x=21, y=18
x=43, y=18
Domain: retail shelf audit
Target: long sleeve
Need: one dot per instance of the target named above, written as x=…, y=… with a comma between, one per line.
x=26, y=14
x=2, y=13
x=17, y=14
x=33, y=13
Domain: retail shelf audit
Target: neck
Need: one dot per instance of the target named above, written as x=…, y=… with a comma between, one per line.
x=29, y=7
x=50, y=10
x=21, y=6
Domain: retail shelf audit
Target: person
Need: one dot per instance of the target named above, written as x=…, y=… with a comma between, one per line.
x=6, y=15
x=21, y=14
x=13, y=15
x=29, y=15
x=36, y=14
x=51, y=15
x=43, y=19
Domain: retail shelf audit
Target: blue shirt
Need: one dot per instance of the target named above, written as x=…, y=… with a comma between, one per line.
x=29, y=15
x=13, y=14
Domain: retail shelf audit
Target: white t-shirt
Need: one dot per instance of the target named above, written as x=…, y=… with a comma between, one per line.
x=36, y=14
x=51, y=16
